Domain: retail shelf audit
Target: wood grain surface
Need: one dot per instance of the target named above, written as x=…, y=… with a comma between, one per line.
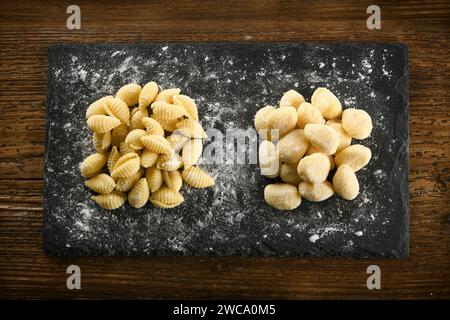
x=27, y=28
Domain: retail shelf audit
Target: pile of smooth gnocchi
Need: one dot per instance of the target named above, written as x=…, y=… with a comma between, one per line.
x=314, y=139
x=141, y=148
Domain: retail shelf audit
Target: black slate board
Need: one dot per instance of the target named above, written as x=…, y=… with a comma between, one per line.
x=229, y=82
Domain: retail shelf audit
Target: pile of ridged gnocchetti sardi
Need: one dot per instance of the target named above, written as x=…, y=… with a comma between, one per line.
x=143, y=137
x=303, y=142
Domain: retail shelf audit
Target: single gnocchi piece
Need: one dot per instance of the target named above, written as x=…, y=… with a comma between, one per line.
x=173, y=180
x=167, y=111
x=148, y=158
x=282, y=196
x=98, y=108
x=289, y=174
x=93, y=164
x=260, y=121
x=291, y=98
x=115, y=107
x=169, y=162
x=269, y=160
x=154, y=178
x=148, y=94
x=282, y=119
x=191, y=152
x=316, y=192
x=102, y=141
x=166, y=197
x=101, y=183
x=327, y=103
x=133, y=139
x=357, y=123
x=177, y=141
x=191, y=128
x=139, y=194
x=102, y=124
x=356, y=156
x=156, y=144
x=345, y=183
x=110, y=201
x=126, y=148
x=323, y=137
x=312, y=149
x=188, y=104
x=125, y=184
x=307, y=113
x=314, y=168
x=344, y=139
x=129, y=93
x=126, y=166
x=167, y=95
x=293, y=146
x=197, y=178
x=168, y=125
x=152, y=126
x=113, y=157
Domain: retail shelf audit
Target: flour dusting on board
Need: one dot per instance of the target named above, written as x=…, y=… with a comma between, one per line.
x=229, y=84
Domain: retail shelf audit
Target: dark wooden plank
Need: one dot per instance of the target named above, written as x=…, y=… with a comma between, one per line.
x=26, y=30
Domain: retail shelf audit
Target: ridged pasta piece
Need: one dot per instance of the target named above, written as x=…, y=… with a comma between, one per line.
x=149, y=158
x=138, y=196
x=126, y=166
x=191, y=128
x=97, y=108
x=197, y=178
x=148, y=94
x=125, y=184
x=163, y=205
x=177, y=141
x=188, y=104
x=173, y=180
x=154, y=178
x=93, y=164
x=118, y=134
x=167, y=196
x=191, y=152
x=156, y=144
x=169, y=162
x=153, y=126
x=113, y=157
x=291, y=98
x=168, y=125
x=126, y=148
x=133, y=139
x=129, y=93
x=102, y=124
x=115, y=107
x=136, y=119
x=102, y=141
x=167, y=95
x=110, y=201
x=167, y=111
x=101, y=183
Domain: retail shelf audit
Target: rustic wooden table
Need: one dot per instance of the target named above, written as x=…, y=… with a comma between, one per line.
x=27, y=28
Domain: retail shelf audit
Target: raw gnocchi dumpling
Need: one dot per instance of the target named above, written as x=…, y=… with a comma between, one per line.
x=173, y=180
x=282, y=119
x=129, y=93
x=260, y=121
x=197, y=178
x=327, y=103
x=316, y=192
x=282, y=196
x=357, y=123
x=115, y=107
x=139, y=194
x=167, y=95
x=293, y=146
x=323, y=137
x=289, y=174
x=188, y=104
x=154, y=178
x=345, y=183
x=110, y=201
x=93, y=164
x=126, y=166
x=101, y=183
x=307, y=113
x=148, y=94
x=291, y=98
x=356, y=156
x=102, y=124
x=314, y=168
